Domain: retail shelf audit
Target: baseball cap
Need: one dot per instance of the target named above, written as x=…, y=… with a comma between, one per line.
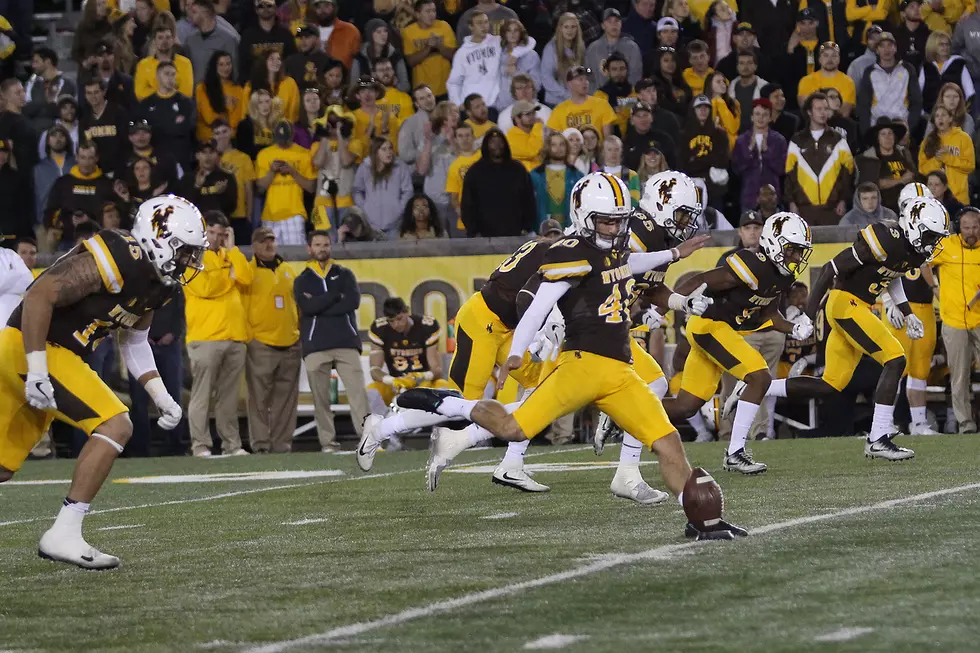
x=701, y=101
x=744, y=27
x=611, y=13
x=139, y=126
x=522, y=106
x=667, y=23
x=67, y=99
x=642, y=106
x=762, y=102
x=806, y=14
x=550, y=226
x=906, y=3
x=307, y=30
x=283, y=131
x=316, y=2
x=888, y=36
x=262, y=233
x=750, y=217
x=576, y=71
x=209, y=144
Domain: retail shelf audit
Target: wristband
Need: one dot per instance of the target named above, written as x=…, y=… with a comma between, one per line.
x=37, y=363
x=157, y=390
x=676, y=301
x=676, y=253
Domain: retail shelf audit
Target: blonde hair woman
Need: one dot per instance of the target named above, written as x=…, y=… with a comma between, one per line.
x=255, y=131
x=940, y=67
x=951, y=96
x=563, y=52
x=652, y=163
x=518, y=57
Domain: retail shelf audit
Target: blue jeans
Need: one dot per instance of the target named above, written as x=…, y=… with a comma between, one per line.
x=170, y=364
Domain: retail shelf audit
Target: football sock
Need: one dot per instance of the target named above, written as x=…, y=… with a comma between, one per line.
x=659, y=387
x=71, y=515
x=477, y=434
x=918, y=414
x=515, y=451
x=881, y=423
x=407, y=420
x=629, y=453
x=697, y=423
x=777, y=388
x=744, y=416
x=456, y=407
x=770, y=417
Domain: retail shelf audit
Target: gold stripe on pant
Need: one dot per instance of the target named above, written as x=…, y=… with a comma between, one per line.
x=216, y=367
x=272, y=379
x=348, y=365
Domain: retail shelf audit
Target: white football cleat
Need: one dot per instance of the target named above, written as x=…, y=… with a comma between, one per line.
x=741, y=461
x=368, y=446
x=604, y=429
x=630, y=485
x=922, y=428
x=446, y=445
x=885, y=448
x=513, y=475
x=60, y=546
x=732, y=401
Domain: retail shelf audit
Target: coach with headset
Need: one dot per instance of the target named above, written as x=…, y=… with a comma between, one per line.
x=958, y=265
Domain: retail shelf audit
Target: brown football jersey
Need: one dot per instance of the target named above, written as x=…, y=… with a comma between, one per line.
x=884, y=255
x=760, y=285
x=501, y=289
x=405, y=352
x=647, y=236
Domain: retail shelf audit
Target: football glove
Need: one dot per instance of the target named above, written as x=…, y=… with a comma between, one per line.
x=892, y=313
x=403, y=383
x=170, y=412
x=652, y=318
x=695, y=303
x=802, y=327
x=39, y=392
x=914, y=327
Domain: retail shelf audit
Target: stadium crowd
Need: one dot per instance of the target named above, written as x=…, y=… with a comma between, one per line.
x=316, y=122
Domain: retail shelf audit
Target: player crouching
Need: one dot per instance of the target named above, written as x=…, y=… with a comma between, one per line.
x=111, y=282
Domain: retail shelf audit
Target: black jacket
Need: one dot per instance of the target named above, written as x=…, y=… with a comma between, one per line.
x=219, y=192
x=488, y=212
x=327, y=309
x=15, y=218
x=110, y=133
x=173, y=120
x=256, y=40
x=635, y=144
x=307, y=69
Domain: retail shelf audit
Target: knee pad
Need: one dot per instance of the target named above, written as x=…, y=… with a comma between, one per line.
x=916, y=384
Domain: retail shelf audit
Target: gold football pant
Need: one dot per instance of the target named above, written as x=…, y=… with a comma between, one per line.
x=716, y=348
x=387, y=392
x=854, y=332
x=83, y=399
x=646, y=366
x=918, y=353
x=482, y=342
x=582, y=378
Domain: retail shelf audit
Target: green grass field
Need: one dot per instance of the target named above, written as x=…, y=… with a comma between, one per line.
x=846, y=554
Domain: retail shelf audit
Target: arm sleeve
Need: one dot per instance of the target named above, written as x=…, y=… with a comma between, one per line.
x=647, y=261
x=16, y=278
x=544, y=300
x=896, y=290
x=136, y=352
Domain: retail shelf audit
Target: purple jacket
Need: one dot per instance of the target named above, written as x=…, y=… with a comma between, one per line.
x=755, y=170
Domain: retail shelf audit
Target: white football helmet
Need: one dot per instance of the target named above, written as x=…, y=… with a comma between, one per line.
x=172, y=232
x=911, y=191
x=674, y=202
x=601, y=195
x=784, y=235
x=924, y=222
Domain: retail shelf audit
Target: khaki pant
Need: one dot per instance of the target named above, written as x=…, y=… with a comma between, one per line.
x=272, y=379
x=962, y=348
x=348, y=364
x=216, y=367
x=770, y=344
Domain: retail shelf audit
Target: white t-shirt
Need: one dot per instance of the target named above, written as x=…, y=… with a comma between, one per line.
x=325, y=33
x=14, y=280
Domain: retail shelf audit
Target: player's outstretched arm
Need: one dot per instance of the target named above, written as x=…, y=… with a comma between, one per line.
x=69, y=281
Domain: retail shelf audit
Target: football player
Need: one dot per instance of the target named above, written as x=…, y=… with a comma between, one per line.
x=746, y=291
x=408, y=345
x=880, y=257
x=110, y=282
x=590, y=277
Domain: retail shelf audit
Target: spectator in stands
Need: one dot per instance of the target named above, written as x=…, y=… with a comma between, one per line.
x=420, y=219
x=312, y=112
x=526, y=137
x=210, y=188
x=720, y=22
x=476, y=64
x=217, y=330
x=887, y=164
x=16, y=130
x=518, y=58
x=495, y=13
x=759, y=157
x=395, y=101
x=966, y=38
x=266, y=35
x=587, y=15
x=700, y=58
x=689, y=27
x=553, y=181
x=307, y=66
x=43, y=89
x=939, y=187
x=958, y=263
x=589, y=156
x=434, y=159
x=429, y=46
x=868, y=208
x=618, y=91
x=563, y=53
x=582, y=108
x=643, y=132
x=943, y=16
x=949, y=148
x=652, y=163
x=889, y=88
x=273, y=358
x=59, y=159
x=333, y=88
x=106, y=125
x=868, y=58
x=951, y=97
x=218, y=96
x=93, y=27
x=376, y=46
x=268, y=74
x=147, y=80
x=354, y=228
x=66, y=112
x=335, y=158
x=668, y=35
x=411, y=136
x=170, y=115
x=15, y=219
x=340, y=39
x=649, y=92
x=369, y=119
x=641, y=24
x=842, y=125
x=118, y=85
x=478, y=116
x=743, y=42
x=675, y=95
x=240, y=166
x=486, y=211
x=726, y=111
x=820, y=151
x=747, y=88
x=165, y=168
x=784, y=122
x=522, y=87
x=612, y=163
x=254, y=132
x=467, y=154
x=122, y=44
x=801, y=53
x=382, y=185
x=704, y=152
x=942, y=68
x=293, y=14
x=144, y=13
x=140, y=189
x=911, y=34
x=829, y=76
x=84, y=188
x=612, y=41
x=327, y=297
x=284, y=171
x=209, y=38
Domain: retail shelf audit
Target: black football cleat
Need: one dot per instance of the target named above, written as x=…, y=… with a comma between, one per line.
x=736, y=531
x=427, y=399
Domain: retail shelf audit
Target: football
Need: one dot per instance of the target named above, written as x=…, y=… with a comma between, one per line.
x=703, y=500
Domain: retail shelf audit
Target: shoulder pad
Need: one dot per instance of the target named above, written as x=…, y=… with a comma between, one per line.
x=567, y=258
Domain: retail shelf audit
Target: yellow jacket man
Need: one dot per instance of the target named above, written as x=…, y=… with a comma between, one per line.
x=272, y=361
x=216, y=335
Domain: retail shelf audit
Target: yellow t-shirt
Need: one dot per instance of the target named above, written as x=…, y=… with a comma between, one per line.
x=434, y=69
x=284, y=199
x=234, y=105
x=397, y=103
x=838, y=80
x=699, y=8
x=959, y=272
x=458, y=169
x=288, y=93
x=145, y=80
x=956, y=157
x=594, y=111
x=696, y=81
x=623, y=110
x=526, y=147
x=479, y=131
x=362, y=122
x=239, y=164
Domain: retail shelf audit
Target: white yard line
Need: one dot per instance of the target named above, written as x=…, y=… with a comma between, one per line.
x=666, y=552
x=843, y=634
x=555, y=641
x=227, y=495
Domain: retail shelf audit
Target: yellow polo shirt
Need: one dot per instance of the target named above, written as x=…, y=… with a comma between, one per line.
x=959, y=281
x=214, y=308
x=526, y=147
x=479, y=131
x=270, y=305
x=284, y=199
x=362, y=123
